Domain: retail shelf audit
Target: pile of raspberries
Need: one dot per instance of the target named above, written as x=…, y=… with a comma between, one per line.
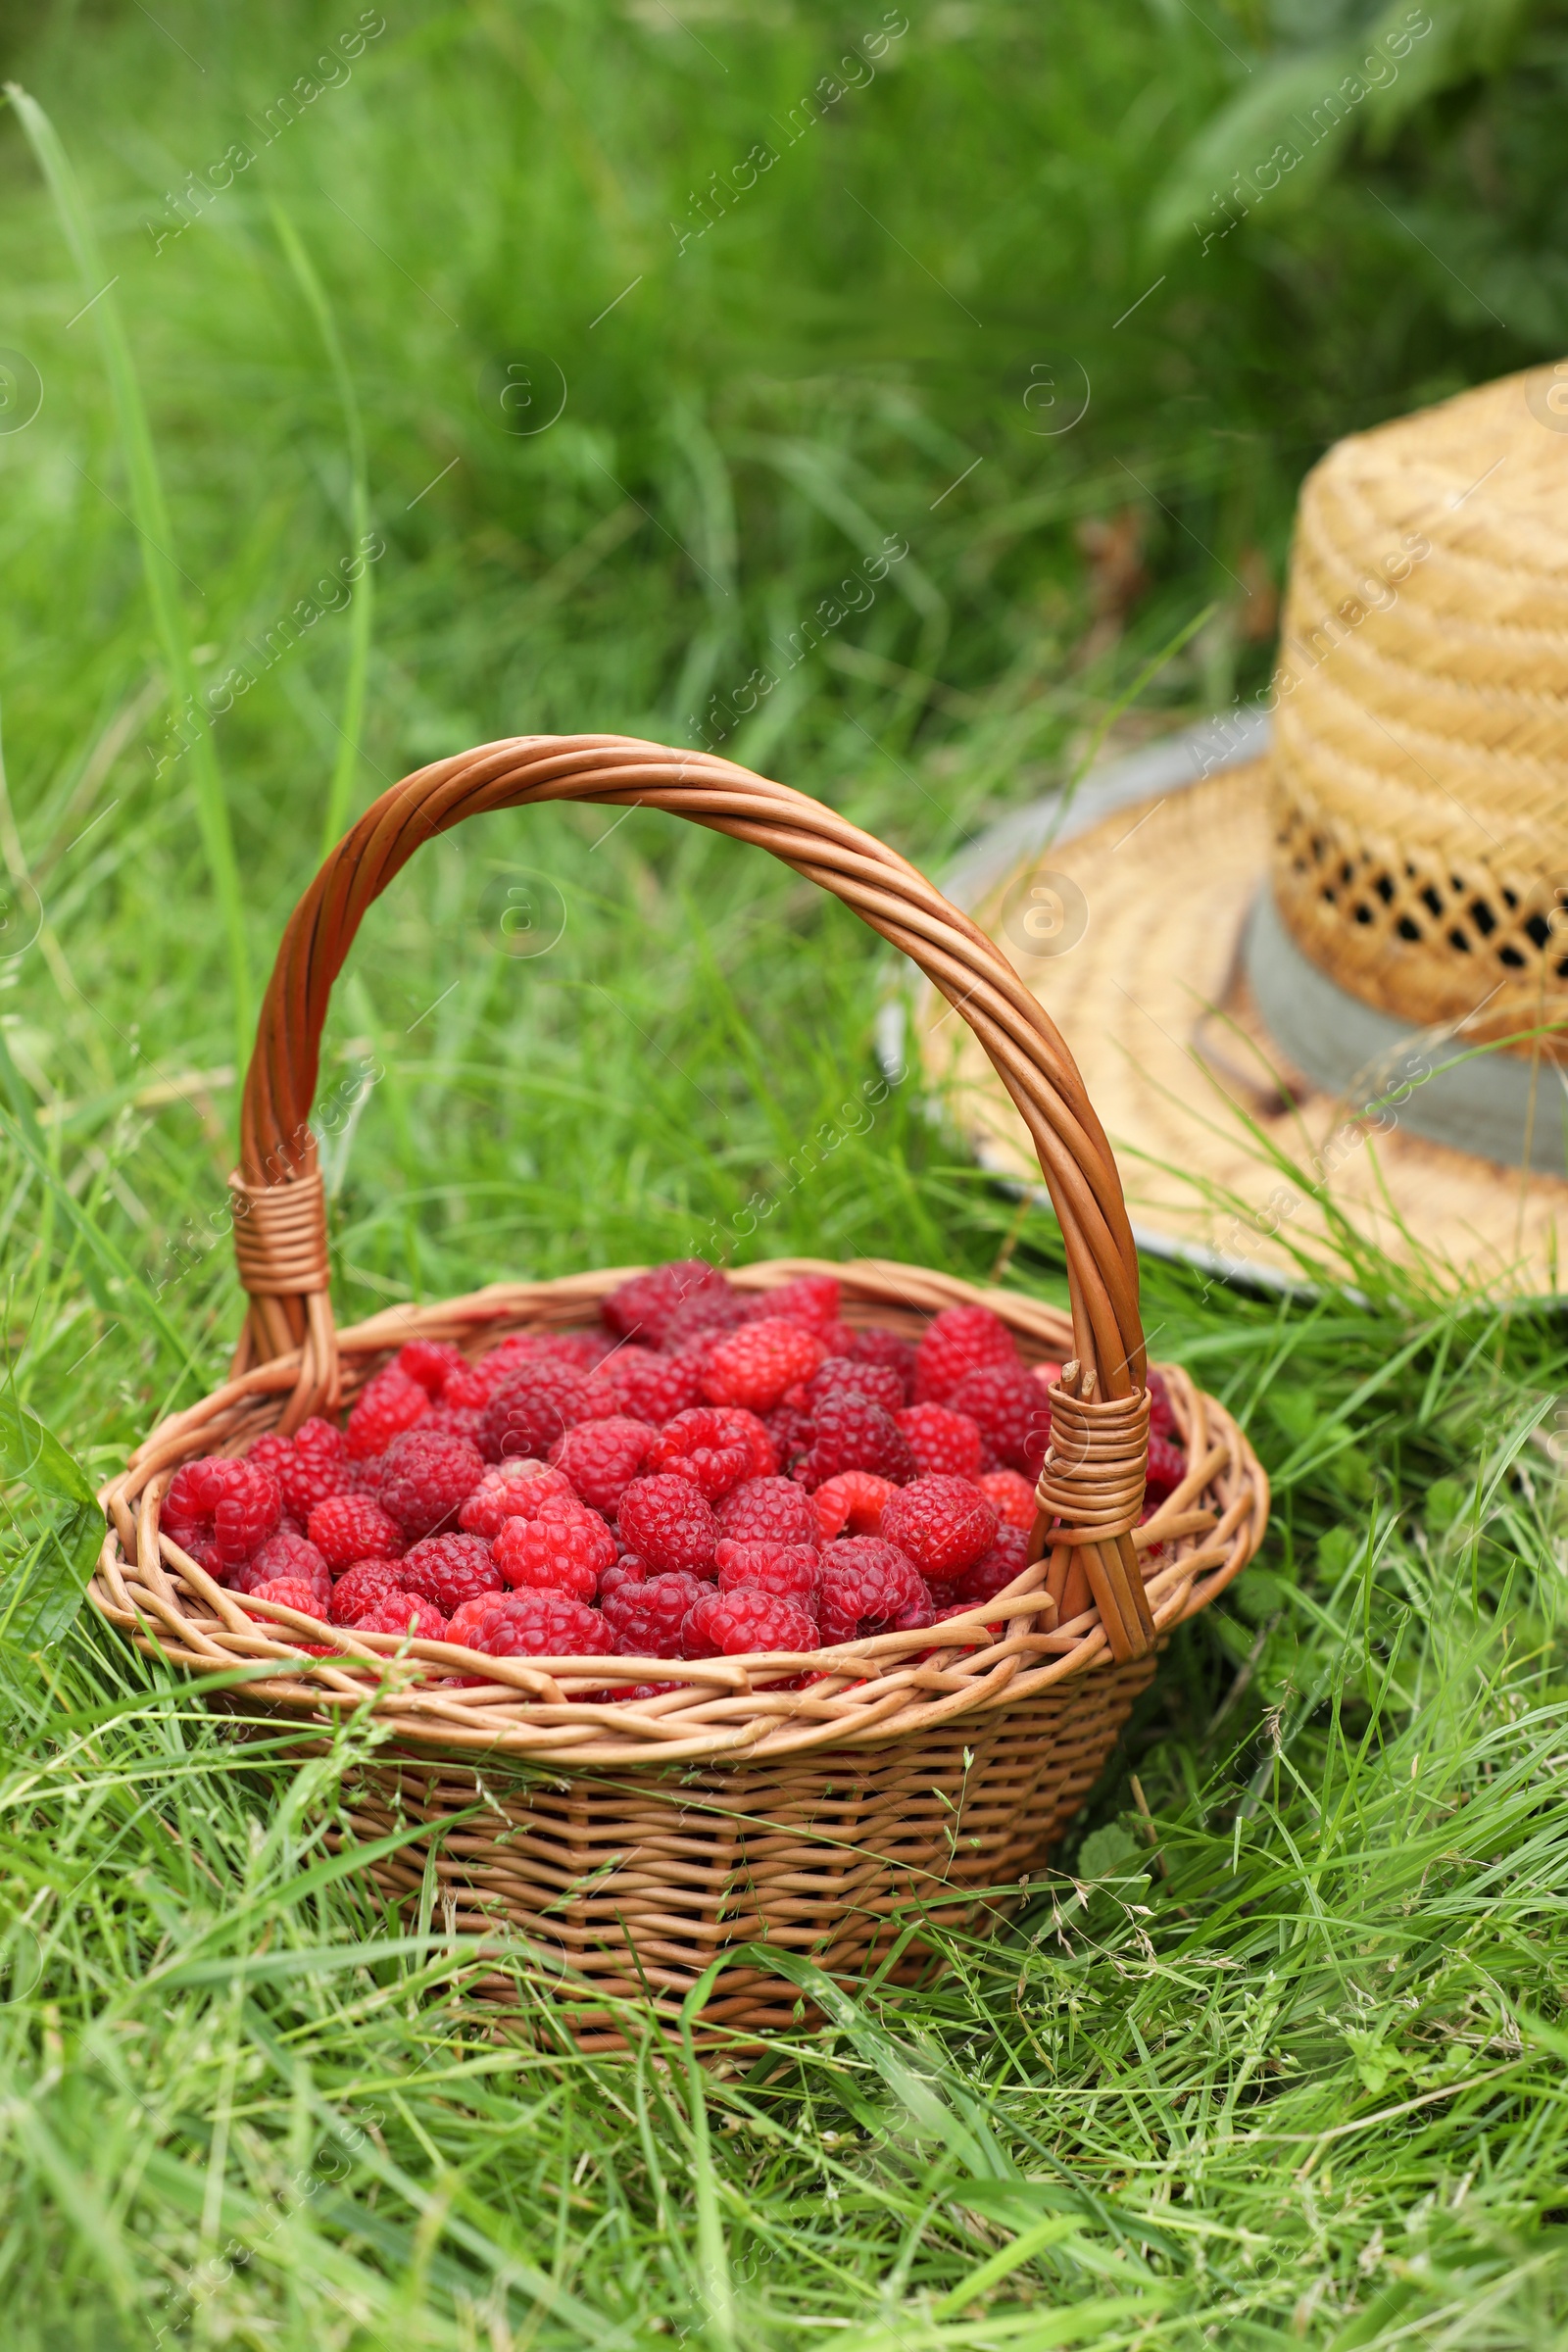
x=706, y=1475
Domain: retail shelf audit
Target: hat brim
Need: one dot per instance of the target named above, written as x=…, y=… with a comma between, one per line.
x=1228, y=1155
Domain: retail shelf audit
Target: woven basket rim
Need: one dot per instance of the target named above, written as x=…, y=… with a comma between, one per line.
x=893, y=1685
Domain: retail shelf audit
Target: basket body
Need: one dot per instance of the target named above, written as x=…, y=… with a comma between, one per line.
x=630, y=1845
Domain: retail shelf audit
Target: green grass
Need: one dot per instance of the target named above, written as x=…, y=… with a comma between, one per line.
x=1288, y=2067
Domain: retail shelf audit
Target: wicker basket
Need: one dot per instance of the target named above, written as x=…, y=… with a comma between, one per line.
x=824, y=1802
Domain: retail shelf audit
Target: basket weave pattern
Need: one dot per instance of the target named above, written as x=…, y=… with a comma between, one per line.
x=1422, y=730
x=814, y=1799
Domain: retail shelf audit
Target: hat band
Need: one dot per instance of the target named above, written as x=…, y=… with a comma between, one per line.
x=1510, y=1107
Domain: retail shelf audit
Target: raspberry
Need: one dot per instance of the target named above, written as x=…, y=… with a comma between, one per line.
x=943, y=1524
x=813, y=1301
x=869, y=1586
x=853, y=1434
x=1012, y=1412
x=270, y=1454
x=388, y=1402
x=431, y=1362
x=668, y=1522
x=749, y=1430
x=401, y=1612
x=427, y=1476
x=942, y=1441
x=878, y=1384
x=529, y=1409
x=874, y=1345
x=705, y=1447
x=629, y=1569
x=724, y=1624
x=855, y=1500
x=285, y=1555
x=320, y=1456
x=649, y=1388
x=448, y=1569
x=533, y=1625
x=1167, y=1466
x=600, y=1458
x=995, y=1569
x=1010, y=1496
x=791, y=1570
x=957, y=1341
x=289, y=1593
x=519, y=1488
x=467, y=1390
x=767, y=1510
x=646, y=1618
x=754, y=1365
x=792, y=1432
x=452, y=1421
x=537, y=1351
x=641, y=1308
x=556, y=1556
x=360, y=1586
x=351, y=1527
x=698, y=1321
x=1162, y=1412
x=223, y=1501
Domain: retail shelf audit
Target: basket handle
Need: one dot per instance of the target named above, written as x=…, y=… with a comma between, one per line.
x=277, y=1195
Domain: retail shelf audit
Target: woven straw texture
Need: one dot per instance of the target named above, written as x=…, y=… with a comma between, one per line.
x=1205, y=1113
x=834, y=1789
x=1422, y=730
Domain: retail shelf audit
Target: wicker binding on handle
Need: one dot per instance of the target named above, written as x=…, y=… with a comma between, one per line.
x=1093, y=1483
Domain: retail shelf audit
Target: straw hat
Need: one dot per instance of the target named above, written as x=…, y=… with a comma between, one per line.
x=1313, y=956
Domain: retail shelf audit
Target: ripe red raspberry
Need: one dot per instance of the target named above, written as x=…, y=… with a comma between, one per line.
x=600, y=1458
x=1167, y=1466
x=426, y=1478
x=874, y=1345
x=754, y=1365
x=320, y=1456
x=285, y=1555
x=641, y=1308
x=403, y=1612
x=869, y=1586
x=467, y=1390
x=995, y=1569
x=1162, y=1412
x=767, y=1510
x=388, y=1402
x=791, y=1570
x=529, y=1409
x=448, y=1569
x=792, y=1432
x=727, y=1625
x=629, y=1569
x=451, y=1421
x=289, y=1593
x=519, y=1488
x=556, y=1556
x=705, y=1446
x=431, y=1362
x=957, y=1341
x=646, y=1618
x=1010, y=1496
x=697, y=1322
x=668, y=1522
x=942, y=1441
x=811, y=1299
x=647, y=1387
x=533, y=1625
x=853, y=1434
x=855, y=1500
x=879, y=1384
x=943, y=1524
x=225, y=1502
x=360, y=1586
x=1012, y=1413
x=351, y=1527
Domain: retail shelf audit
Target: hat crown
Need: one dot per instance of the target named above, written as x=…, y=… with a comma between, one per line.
x=1421, y=734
